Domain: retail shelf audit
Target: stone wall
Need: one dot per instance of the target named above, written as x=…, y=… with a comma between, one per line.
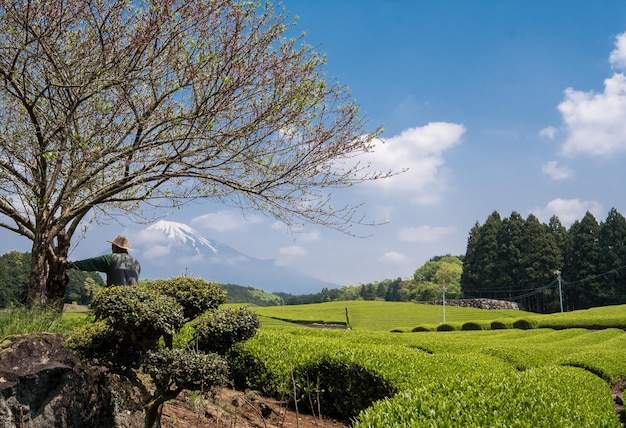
x=476, y=303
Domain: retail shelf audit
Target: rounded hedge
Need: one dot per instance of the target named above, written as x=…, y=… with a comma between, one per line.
x=218, y=330
x=446, y=327
x=143, y=313
x=112, y=348
x=471, y=326
x=186, y=369
x=499, y=325
x=195, y=295
x=525, y=324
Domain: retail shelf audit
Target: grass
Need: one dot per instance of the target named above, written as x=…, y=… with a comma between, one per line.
x=406, y=317
x=382, y=316
x=22, y=320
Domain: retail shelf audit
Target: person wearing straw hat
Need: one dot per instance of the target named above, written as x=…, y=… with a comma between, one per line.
x=120, y=267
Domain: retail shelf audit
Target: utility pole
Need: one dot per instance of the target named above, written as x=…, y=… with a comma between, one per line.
x=443, y=288
x=558, y=274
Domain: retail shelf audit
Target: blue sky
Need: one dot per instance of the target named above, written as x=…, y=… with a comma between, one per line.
x=492, y=105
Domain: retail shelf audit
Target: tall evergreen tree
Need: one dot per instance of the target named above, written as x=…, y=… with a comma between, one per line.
x=582, y=263
x=560, y=234
x=393, y=290
x=468, y=276
x=612, y=242
x=483, y=282
x=509, y=271
x=541, y=257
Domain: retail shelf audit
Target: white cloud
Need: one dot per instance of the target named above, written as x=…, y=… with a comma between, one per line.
x=225, y=221
x=567, y=210
x=150, y=237
x=156, y=251
x=420, y=150
x=595, y=121
x=279, y=225
x=618, y=56
x=556, y=171
x=288, y=254
x=312, y=236
x=293, y=251
x=548, y=132
x=424, y=233
x=393, y=257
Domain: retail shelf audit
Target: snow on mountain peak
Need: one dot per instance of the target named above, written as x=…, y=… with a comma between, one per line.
x=181, y=233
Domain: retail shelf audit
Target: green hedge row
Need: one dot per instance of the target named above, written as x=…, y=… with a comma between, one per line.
x=416, y=383
x=542, y=397
x=590, y=319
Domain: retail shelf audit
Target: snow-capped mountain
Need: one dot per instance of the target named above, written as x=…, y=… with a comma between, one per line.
x=168, y=248
x=180, y=233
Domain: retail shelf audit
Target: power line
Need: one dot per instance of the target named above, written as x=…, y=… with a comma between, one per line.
x=589, y=278
x=558, y=281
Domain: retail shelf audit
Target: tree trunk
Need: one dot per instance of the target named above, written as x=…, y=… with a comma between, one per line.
x=154, y=408
x=48, y=278
x=37, y=280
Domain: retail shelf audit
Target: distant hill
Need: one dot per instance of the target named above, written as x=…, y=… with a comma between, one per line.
x=240, y=294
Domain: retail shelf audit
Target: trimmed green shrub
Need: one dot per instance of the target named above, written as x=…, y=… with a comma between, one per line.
x=472, y=326
x=525, y=324
x=420, y=328
x=219, y=330
x=446, y=327
x=195, y=295
x=134, y=322
x=500, y=325
x=185, y=369
x=112, y=348
x=142, y=313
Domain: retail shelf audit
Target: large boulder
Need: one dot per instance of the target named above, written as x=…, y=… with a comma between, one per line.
x=43, y=384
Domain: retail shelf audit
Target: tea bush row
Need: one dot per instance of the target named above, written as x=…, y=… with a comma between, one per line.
x=339, y=376
x=343, y=372
x=542, y=397
x=591, y=319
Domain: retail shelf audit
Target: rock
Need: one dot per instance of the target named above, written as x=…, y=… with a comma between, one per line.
x=477, y=303
x=43, y=384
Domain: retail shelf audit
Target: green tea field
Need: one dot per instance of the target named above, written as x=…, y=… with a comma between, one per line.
x=510, y=369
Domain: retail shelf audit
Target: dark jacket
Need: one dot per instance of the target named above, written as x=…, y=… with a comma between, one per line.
x=120, y=268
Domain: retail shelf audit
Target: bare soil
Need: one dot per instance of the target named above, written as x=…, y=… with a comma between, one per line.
x=230, y=408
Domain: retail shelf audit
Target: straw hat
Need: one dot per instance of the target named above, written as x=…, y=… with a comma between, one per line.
x=121, y=241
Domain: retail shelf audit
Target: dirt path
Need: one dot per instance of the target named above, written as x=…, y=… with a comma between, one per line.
x=230, y=408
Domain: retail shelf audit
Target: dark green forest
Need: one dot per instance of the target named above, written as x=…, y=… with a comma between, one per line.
x=542, y=267
x=14, y=272
x=522, y=259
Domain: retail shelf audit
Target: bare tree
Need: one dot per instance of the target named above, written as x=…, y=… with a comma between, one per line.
x=116, y=108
